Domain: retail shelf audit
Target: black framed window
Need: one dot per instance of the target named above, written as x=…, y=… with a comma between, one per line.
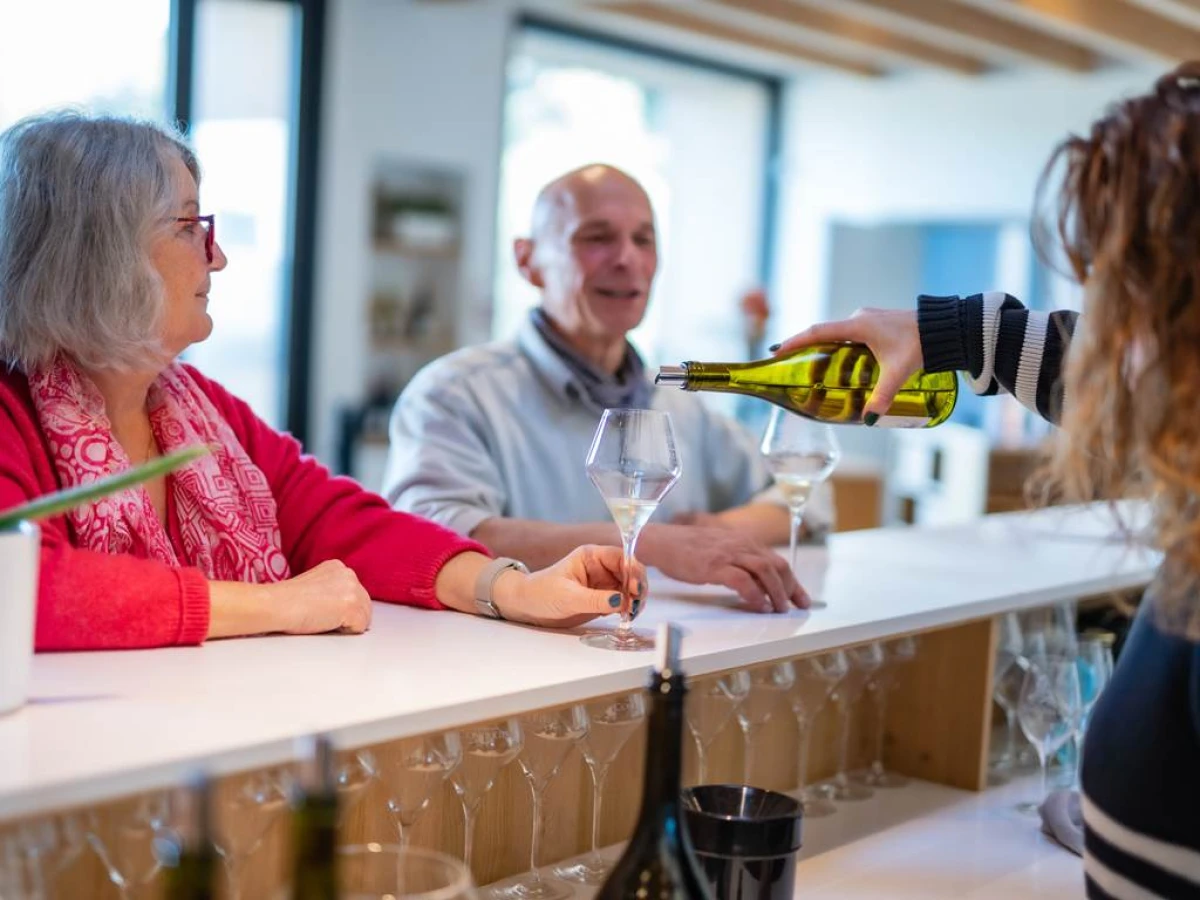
x=702, y=137
x=246, y=78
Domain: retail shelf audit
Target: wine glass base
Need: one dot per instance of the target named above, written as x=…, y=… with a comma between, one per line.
x=528, y=888
x=852, y=792
x=815, y=807
x=879, y=779
x=611, y=640
x=589, y=871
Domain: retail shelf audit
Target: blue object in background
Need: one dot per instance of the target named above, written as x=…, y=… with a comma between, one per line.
x=961, y=259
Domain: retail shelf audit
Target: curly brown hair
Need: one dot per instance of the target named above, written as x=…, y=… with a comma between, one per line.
x=1127, y=217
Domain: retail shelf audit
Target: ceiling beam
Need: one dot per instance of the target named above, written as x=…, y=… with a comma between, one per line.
x=1185, y=12
x=857, y=31
x=1118, y=22
x=673, y=17
x=955, y=21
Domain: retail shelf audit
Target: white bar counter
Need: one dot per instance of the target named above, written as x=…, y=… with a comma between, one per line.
x=102, y=725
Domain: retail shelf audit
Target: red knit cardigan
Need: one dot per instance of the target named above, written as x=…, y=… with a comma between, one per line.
x=93, y=601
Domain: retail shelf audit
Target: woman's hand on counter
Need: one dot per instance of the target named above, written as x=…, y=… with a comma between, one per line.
x=580, y=587
x=328, y=597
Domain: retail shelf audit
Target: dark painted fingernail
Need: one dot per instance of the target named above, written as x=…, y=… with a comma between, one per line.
x=615, y=601
x=641, y=589
x=774, y=347
x=637, y=605
x=870, y=419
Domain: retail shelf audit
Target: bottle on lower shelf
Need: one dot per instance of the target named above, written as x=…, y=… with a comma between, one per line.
x=659, y=861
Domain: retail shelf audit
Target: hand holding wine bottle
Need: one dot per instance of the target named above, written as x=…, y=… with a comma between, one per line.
x=890, y=334
x=862, y=370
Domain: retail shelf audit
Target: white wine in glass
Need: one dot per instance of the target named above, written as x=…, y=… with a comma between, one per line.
x=800, y=455
x=633, y=464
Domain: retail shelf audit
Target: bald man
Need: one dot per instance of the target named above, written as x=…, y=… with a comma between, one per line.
x=490, y=441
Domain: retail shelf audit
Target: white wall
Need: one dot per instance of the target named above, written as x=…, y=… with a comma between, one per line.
x=916, y=148
x=857, y=151
x=414, y=83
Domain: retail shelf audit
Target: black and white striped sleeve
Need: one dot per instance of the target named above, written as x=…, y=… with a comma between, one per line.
x=999, y=345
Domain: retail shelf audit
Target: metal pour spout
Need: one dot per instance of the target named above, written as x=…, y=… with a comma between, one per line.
x=676, y=375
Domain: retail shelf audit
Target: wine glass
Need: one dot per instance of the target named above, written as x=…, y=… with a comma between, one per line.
x=709, y=710
x=248, y=805
x=486, y=749
x=1049, y=710
x=411, y=770
x=549, y=737
x=1095, y=670
x=34, y=853
x=354, y=770
x=633, y=464
x=901, y=651
x=865, y=661
x=800, y=454
x=128, y=846
x=767, y=684
x=391, y=872
x=610, y=724
x=1008, y=672
x=816, y=679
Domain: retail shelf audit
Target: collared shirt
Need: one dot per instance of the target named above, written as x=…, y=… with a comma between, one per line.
x=504, y=429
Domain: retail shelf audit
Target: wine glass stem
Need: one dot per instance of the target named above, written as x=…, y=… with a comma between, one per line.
x=701, y=762
x=233, y=873
x=599, y=773
x=843, y=739
x=804, y=723
x=535, y=844
x=794, y=535
x=1010, y=753
x=627, y=544
x=881, y=692
x=747, y=753
x=1044, y=765
x=469, y=815
x=402, y=833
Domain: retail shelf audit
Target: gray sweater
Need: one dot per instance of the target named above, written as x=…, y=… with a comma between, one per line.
x=503, y=429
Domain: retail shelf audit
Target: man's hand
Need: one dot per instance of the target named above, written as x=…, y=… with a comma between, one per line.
x=706, y=555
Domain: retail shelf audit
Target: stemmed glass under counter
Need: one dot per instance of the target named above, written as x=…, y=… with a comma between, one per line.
x=549, y=737
x=611, y=723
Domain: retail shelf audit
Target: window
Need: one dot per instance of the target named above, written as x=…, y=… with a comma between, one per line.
x=572, y=101
x=246, y=76
x=243, y=127
x=112, y=58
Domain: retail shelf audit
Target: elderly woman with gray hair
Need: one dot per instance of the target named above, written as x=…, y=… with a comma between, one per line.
x=106, y=264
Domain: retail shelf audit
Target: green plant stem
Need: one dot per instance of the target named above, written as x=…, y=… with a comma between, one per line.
x=60, y=502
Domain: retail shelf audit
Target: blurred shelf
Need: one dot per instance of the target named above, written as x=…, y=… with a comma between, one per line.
x=395, y=247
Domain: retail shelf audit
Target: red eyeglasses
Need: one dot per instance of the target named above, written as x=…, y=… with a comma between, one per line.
x=210, y=231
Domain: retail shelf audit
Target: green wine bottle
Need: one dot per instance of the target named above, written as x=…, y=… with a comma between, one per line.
x=315, y=824
x=658, y=861
x=827, y=382
x=193, y=875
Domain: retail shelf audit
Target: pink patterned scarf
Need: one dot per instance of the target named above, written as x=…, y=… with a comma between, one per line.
x=225, y=509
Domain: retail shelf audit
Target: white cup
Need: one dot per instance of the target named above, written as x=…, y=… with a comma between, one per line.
x=19, y=552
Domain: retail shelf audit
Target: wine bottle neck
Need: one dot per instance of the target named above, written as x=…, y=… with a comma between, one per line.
x=664, y=751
